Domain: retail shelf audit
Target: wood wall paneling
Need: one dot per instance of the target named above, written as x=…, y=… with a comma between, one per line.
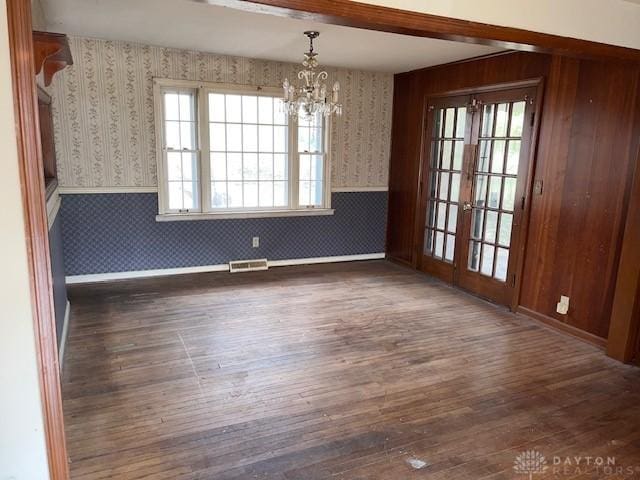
x=586, y=142
x=584, y=163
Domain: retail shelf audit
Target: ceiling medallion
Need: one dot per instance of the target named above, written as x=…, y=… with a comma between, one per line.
x=311, y=97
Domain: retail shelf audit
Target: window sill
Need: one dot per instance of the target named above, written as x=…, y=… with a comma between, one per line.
x=177, y=217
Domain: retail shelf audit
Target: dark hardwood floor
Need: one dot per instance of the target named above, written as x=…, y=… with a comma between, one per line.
x=345, y=371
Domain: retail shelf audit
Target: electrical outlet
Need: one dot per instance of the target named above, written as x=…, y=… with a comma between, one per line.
x=562, y=307
x=256, y=242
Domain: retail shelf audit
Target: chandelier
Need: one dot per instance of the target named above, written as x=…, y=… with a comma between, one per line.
x=311, y=97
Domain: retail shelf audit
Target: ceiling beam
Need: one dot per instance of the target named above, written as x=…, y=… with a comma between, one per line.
x=392, y=20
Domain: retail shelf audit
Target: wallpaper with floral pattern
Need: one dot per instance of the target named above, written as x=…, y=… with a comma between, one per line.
x=104, y=119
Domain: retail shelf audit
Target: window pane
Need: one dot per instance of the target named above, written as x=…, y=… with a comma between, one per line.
x=265, y=166
x=316, y=193
x=452, y=223
x=175, y=195
x=189, y=192
x=250, y=194
x=483, y=158
x=474, y=256
x=491, y=226
x=188, y=135
x=304, y=193
x=497, y=155
x=487, y=120
x=461, y=121
x=265, y=110
x=303, y=139
x=234, y=194
x=171, y=107
x=187, y=107
x=174, y=166
x=219, y=195
x=305, y=167
x=431, y=214
x=234, y=166
x=486, y=266
x=218, y=166
x=448, y=122
x=504, y=235
x=280, y=194
x=217, y=137
x=317, y=167
x=442, y=213
x=280, y=167
x=494, y=192
x=249, y=109
x=502, y=116
x=447, y=148
x=234, y=108
x=250, y=166
x=517, y=119
x=480, y=190
x=189, y=166
x=234, y=137
x=249, y=138
x=458, y=152
x=265, y=194
x=450, y=248
x=216, y=107
x=502, y=263
x=315, y=140
x=280, y=139
x=439, y=245
x=455, y=187
x=513, y=157
x=265, y=138
x=428, y=241
x=509, y=197
x=172, y=135
x=443, y=194
x=477, y=221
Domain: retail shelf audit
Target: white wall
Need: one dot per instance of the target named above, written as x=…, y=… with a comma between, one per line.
x=608, y=21
x=22, y=443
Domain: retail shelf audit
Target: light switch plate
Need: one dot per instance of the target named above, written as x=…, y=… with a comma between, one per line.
x=256, y=242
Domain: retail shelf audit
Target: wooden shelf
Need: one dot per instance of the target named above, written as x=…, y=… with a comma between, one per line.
x=51, y=54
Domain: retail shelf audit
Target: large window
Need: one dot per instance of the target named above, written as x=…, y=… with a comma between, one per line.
x=232, y=150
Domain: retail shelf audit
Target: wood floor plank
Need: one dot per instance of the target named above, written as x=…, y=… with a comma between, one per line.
x=342, y=371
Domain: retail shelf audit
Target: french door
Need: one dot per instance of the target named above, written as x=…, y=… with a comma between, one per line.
x=475, y=168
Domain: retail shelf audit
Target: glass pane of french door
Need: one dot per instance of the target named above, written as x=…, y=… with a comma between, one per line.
x=447, y=148
x=495, y=178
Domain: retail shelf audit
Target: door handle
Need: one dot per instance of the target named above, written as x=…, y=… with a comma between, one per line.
x=466, y=206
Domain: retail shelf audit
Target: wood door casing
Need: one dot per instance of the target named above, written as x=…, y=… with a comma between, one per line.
x=510, y=171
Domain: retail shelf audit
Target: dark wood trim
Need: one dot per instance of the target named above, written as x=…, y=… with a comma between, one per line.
x=625, y=324
x=51, y=54
x=563, y=327
x=386, y=19
x=32, y=185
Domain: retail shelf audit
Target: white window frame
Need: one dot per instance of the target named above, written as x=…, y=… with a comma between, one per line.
x=205, y=211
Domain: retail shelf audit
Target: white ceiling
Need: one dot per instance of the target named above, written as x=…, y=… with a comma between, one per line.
x=191, y=25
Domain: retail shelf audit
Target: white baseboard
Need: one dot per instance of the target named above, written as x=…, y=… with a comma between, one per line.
x=65, y=333
x=105, y=277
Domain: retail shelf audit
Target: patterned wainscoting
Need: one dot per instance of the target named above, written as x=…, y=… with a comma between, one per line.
x=58, y=275
x=117, y=232
x=104, y=121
